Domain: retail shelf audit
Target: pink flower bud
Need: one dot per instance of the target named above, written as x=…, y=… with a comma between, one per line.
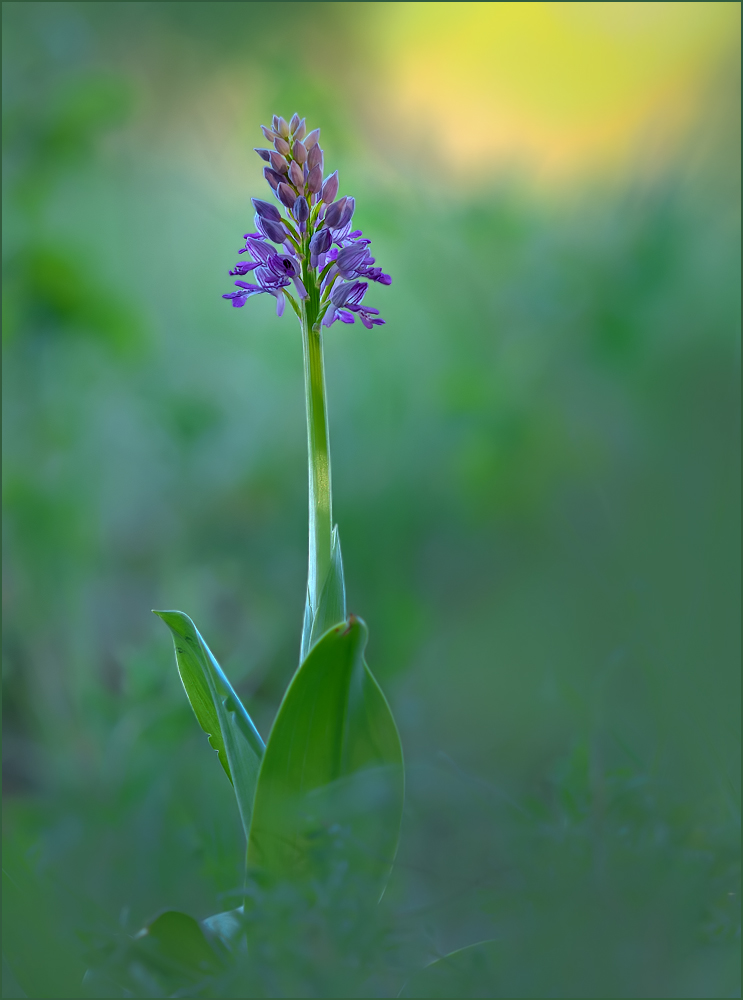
x=285, y=195
x=300, y=151
x=279, y=164
x=330, y=188
x=314, y=158
x=314, y=179
x=296, y=175
x=282, y=146
x=312, y=139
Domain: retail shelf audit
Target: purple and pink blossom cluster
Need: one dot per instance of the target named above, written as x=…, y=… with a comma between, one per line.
x=312, y=247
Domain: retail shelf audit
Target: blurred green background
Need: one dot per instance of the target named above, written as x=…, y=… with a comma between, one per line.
x=535, y=468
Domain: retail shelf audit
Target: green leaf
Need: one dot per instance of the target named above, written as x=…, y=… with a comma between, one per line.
x=331, y=786
x=176, y=943
x=219, y=711
x=173, y=955
x=331, y=606
x=468, y=972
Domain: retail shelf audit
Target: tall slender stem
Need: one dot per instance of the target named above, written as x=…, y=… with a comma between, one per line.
x=318, y=450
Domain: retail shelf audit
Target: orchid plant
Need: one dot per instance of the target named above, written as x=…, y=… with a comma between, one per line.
x=333, y=757
x=321, y=800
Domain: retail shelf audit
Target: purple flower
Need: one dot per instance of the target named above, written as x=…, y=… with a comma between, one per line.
x=243, y=267
x=286, y=195
x=278, y=163
x=312, y=246
x=314, y=179
x=319, y=245
x=314, y=158
x=266, y=210
x=345, y=302
x=282, y=146
x=355, y=261
x=301, y=210
x=273, y=230
x=329, y=188
x=296, y=175
x=272, y=177
x=333, y=214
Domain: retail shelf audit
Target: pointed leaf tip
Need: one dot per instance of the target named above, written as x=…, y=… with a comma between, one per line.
x=333, y=763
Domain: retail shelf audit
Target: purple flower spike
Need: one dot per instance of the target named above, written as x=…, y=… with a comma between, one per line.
x=296, y=174
x=285, y=195
x=273, y=230
x=301, y=210
x=278, y=163
x=330, y=188
x=314, y=179
x=266, y=210
x=314, y=158
x=310, y=254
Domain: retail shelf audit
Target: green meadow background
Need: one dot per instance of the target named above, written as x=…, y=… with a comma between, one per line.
x=535, y=461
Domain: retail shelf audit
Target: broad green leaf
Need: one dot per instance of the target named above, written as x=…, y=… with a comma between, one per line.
x=468, y=972
x=331, y=606
x=172, y=956
x=218, y=709
x=175, y=943
x=331, y=785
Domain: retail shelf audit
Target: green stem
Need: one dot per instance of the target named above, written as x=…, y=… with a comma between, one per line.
x=318, y=448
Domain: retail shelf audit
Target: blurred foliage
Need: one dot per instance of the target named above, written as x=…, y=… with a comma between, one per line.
x=536, y=476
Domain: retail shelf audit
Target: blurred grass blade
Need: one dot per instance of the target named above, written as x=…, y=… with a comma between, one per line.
x=331, y=607
x=219, y=711
x=468, y=972
x=331, y=785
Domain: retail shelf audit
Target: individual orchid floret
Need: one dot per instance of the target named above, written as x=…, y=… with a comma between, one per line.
x=345, y=302
x=304, y=249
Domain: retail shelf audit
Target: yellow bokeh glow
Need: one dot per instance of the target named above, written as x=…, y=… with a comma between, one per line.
x=552, y=87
